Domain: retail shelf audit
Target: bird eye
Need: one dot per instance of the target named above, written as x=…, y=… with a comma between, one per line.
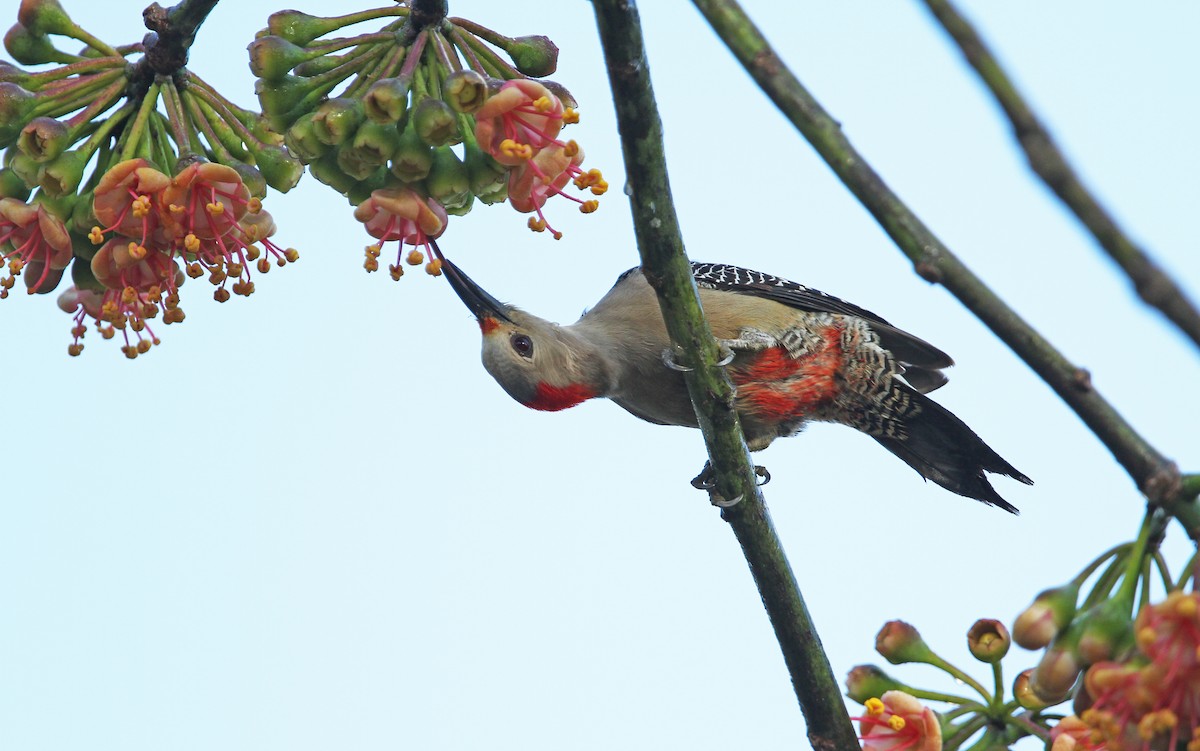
x=522, y=344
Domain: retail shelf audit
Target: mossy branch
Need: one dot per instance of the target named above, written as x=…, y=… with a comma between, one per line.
x=1156, y=476
x=666, y=267
x=1152, y=284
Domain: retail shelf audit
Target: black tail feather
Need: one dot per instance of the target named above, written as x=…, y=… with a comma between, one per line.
x=940, y=447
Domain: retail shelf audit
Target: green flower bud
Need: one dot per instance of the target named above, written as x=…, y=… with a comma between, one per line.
x=25, y=168
x=362, y=189
x=1106, y=632
x=80, y=223
x=43, y=17
x=535, y=56
x=16, y=105
x=988, y=640
x=28, y=48
x=1055, y=674
x=62, y=175
x=377, y=141
x=278, y=168
x=81, y=273
x=869, y=682
x=44, y=138
x=12, y=186
x=386, y=100
x=449, y=183
x=13, y=74
x=336, y=120
x=1024, y=694
x=489, y=179
x=413, y=157
x=271, y=57
x=435, y=122
x=300, y=28
x=327, y=170
x=319, y=65
x=1050, y=613
x=357, y=163
x=280, y=99
x=252, y=177
x=465, y=91
x=303, y=142
x=899, y=643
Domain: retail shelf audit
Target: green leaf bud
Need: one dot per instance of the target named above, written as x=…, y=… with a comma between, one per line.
x=869, y=682
x=303, y=142
x=413, y=157
x=435, y=122
x=387, y=100
x=43, y=17
x=300, y=28
x=448, y=182
x=44, y=138
x=899, y=643
x=336, y=120
x=988, y=640
x=12, y=186
x=271, y=57
x=535, y=56
x=278, y=168
x=465, y=91
x=1050, y=613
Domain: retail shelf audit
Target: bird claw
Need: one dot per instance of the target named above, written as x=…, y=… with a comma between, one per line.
x=727, y=355
x=707, y=480
x=763, y=473
x=668, y=358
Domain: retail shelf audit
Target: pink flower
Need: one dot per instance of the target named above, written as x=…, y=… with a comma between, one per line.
x=517, y=121
x=898, y=722
x=34, y=240
x=128, y=202
x=400, y=215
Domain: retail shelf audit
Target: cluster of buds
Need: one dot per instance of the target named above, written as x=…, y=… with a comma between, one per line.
x=989, y=715
x=415, y=120
x=120, y=174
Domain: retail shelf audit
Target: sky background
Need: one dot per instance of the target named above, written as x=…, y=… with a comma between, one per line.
x=311, y=520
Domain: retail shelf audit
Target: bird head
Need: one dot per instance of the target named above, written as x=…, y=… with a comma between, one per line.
x=540, y=364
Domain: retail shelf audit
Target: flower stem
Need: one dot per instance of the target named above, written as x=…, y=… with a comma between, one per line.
x=136, y=131
x=953, y=670
x=1133, y=567
x=666, y=268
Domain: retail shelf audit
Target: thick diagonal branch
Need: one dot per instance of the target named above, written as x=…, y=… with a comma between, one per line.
x=667, y=269
x=1153, y=284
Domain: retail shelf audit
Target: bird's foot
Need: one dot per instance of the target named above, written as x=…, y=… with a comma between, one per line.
x=707, y=480
x=668, y=358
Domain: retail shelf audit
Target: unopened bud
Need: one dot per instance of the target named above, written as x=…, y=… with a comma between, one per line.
x=465, y=90
x=272, y=57
x=280, y=99
x=1024, y=694
x=16, y=105
x=44, y=138
x=377, y=141
x=279, y=169
x=1050, y=613
x=251, y=177
x=1055, y=674
x=899, y=643
x=413, y=157
x=336, y=120
x=300, y=28
x=988, y=640
x=448, y=182
x=44, y=17
x=386, y=100
x=535, y=56
x=303, y=142
x=435, y=122
x=560, y=91
x=868, y=681
x=327, y=170
x=62, y=175
x=489, y=180
x=1106, y=632
x=28, y=48
x=12, y=186
x=357, y=163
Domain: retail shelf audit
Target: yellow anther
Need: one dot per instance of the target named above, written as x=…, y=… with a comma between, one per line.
x=371, y=265
x=511, y=148
x=141, y=207
x=176, y=209
x=1186, y=607
x=1155, y=723
x=221, y=294
x=108, y=332
x=235, y=269
x=253, y=252
x=129, y=295
x=874, y=706
x=570, y=116
x=137, y=252
x=571, y=149
x=600, y=188
x=154, y=294
x=543, y=104
x=130, y=351
x=215, y=208
x=896, y=722
x=137, y=324
x=96, y=236
x=537, y=225
x=195, y=270
x=216, y=277
x=291, y=254
x=254, y=205
x=191, y=243
x=434, y=267
x=264, y=265
x=1146, y=636
x=588, y=207
x=396, y=270
x=556, y=234
x=74, y=349
x=414, y=258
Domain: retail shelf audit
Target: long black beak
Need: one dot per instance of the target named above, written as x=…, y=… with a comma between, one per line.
x=479, y=302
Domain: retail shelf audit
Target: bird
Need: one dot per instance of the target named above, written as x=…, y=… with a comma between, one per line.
x=793, y=353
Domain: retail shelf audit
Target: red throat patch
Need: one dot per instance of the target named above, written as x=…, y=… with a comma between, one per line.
x=553, y=398
x=488, y=325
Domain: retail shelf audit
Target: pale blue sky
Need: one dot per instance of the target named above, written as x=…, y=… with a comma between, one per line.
x=310, y=520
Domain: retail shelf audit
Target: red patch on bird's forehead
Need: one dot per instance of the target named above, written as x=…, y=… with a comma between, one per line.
x=488, y=325
x=553, y=398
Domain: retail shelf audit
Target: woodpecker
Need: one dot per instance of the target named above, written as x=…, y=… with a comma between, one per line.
x=795, y=354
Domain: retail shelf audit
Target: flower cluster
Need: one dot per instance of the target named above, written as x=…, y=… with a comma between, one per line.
x=429, y=117
x=119, y=172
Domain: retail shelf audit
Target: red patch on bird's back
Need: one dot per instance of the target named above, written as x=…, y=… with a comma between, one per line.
x=553, y=398
x=488, y=325
x=775, y=385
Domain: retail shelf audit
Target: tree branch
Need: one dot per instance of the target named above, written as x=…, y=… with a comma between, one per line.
x=1153, y=284
x=172, y=33
x=667, y=269
x=1155, y=475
